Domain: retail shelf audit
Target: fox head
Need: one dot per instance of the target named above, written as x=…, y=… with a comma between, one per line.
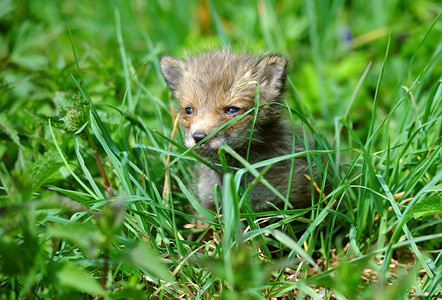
x=214, y=87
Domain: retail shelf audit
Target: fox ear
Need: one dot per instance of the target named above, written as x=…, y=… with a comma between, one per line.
x=271, y=72
x=172, y=68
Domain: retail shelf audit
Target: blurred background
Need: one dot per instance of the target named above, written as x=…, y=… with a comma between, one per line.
x=329, y=45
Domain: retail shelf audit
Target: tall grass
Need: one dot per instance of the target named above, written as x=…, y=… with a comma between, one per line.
x=96, y=185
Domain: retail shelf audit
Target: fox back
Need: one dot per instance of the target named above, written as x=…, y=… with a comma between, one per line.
x=214, y=87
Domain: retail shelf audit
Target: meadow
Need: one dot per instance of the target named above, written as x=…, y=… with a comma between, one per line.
x=96, y=196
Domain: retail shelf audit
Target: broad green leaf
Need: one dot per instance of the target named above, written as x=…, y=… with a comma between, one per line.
x=84, y=235
x=6, y=7
x=72, y=276
x=7, y=126
x=56, y=121
x=146, y=259
x=427, y=206
x=45, y=167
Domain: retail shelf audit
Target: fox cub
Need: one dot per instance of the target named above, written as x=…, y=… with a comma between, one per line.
x=211, y=89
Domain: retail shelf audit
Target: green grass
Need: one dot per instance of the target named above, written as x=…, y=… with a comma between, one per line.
x=95, y=194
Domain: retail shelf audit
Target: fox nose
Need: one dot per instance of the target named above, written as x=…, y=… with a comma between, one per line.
x=198, y=136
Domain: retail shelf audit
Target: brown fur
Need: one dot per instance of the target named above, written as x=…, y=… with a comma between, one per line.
x=208, y=84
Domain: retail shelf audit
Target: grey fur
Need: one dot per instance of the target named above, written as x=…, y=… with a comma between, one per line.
x=209, y=84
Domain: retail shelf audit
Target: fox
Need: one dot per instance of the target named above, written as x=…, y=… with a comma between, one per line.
x=215, y=86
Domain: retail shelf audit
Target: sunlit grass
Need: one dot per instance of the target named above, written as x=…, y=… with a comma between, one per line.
x=97, y=195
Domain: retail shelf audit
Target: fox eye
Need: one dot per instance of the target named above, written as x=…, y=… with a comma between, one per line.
x=232, y=110
x=188, y=111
